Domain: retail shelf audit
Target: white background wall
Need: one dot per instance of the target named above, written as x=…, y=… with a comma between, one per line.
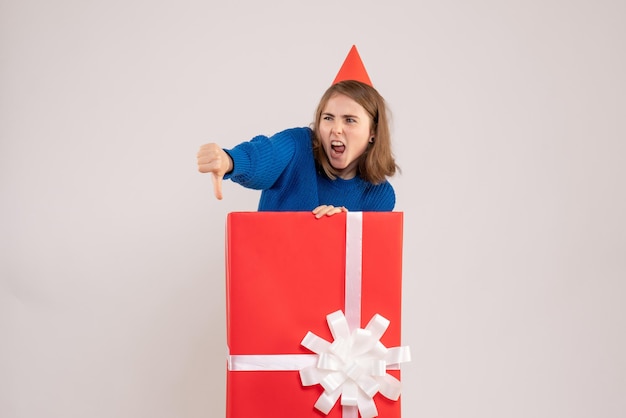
x=509, y=123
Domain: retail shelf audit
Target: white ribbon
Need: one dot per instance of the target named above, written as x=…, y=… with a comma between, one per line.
x=354, y=366
x=258, y=362
x=354, y=251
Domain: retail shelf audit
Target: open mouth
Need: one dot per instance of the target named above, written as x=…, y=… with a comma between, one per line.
x=338, y=147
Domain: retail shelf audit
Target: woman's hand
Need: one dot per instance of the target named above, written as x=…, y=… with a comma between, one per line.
x=213, y=159
x=328, y=210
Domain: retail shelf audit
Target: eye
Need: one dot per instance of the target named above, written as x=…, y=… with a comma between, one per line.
x=327, y=117
x=350, y=120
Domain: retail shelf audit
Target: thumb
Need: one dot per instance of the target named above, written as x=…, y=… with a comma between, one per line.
x=217, y=185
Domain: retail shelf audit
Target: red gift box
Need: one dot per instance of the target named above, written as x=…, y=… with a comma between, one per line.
x=285, y=272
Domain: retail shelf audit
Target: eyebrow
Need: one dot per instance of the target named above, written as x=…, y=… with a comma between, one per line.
x=343, y=116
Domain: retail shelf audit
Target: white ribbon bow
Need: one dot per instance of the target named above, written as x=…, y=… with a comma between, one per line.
x=354, y=366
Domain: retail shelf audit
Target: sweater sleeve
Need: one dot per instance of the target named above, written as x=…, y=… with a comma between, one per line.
x=258, y=163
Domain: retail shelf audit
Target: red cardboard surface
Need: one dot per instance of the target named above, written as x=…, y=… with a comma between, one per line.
x=285, y=272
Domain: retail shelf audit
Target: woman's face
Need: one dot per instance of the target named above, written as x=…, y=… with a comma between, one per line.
x=345, y=131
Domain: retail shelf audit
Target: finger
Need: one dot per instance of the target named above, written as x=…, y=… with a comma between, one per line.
x=205, y=159
x=326, y=210
x=319, y=209
x=333, y=211
x=217, y=185
x=206, y=167
x=209, y=165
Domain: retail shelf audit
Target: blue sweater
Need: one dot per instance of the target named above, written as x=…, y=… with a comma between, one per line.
x=283, y=167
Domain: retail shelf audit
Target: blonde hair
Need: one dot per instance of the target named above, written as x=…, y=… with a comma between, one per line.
x=377, y=162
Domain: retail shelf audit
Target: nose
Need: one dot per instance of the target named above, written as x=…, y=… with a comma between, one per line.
x=337, y=128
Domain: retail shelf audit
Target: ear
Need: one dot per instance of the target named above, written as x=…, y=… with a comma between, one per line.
x=371, y=141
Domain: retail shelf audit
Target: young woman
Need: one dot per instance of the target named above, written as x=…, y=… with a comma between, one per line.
x=341, y=163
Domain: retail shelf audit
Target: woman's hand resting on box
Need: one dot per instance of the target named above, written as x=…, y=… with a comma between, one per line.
x=328, y=210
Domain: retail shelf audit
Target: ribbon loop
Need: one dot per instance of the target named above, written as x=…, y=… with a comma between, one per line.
x=327, y=400
x=397, y=355
x=338, y=325
x=315, y=343
x=349, y=394
x=363, y=341
x=377, y=326
x=367, y=407
x=390, y=387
